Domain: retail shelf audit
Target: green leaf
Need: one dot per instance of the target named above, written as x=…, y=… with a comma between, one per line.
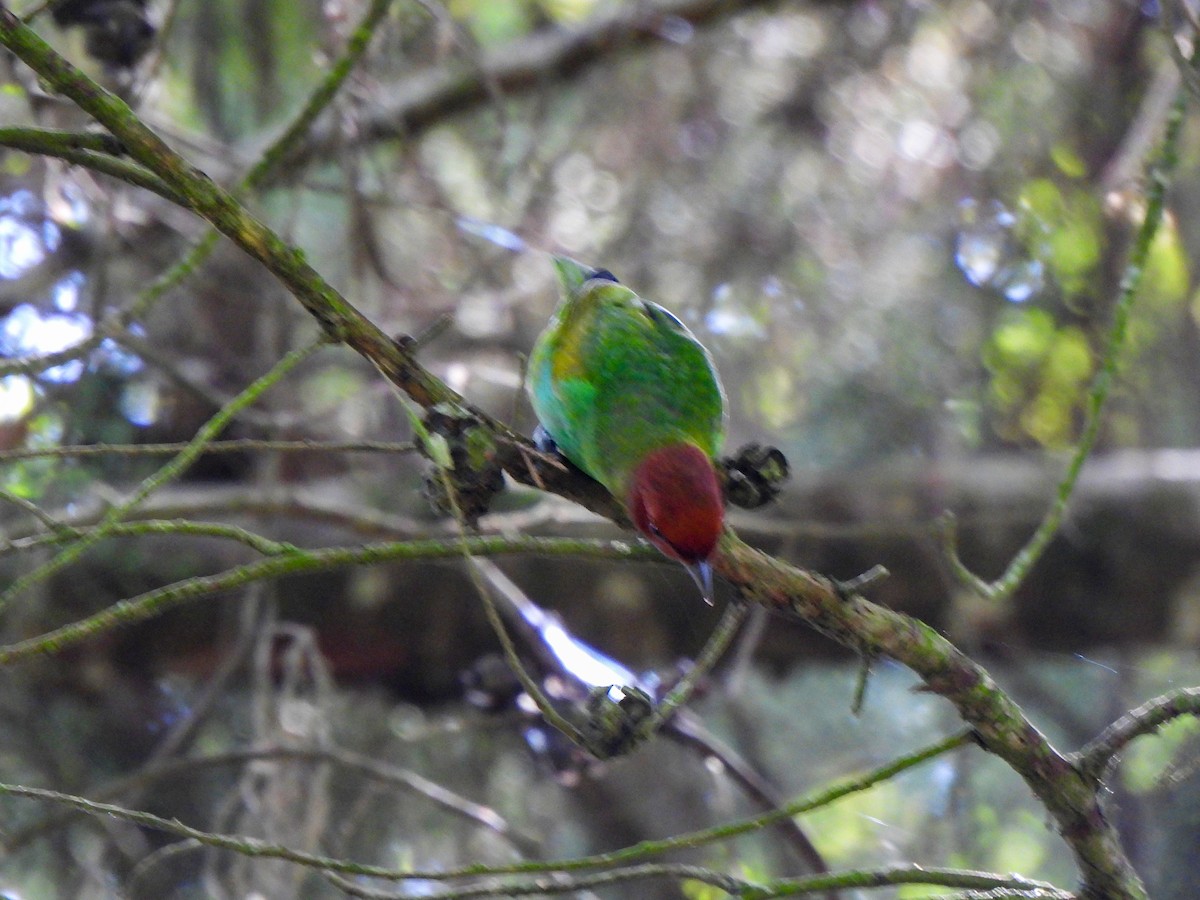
x=1022, y=340
x=1167, y=275
x=1068, y=161
x=494, y=21
x=1070, y=361
x=1063, y=229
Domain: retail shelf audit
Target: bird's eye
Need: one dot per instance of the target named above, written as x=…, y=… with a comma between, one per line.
x=604, y=275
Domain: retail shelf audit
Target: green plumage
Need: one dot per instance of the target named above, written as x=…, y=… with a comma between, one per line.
x=614, y=377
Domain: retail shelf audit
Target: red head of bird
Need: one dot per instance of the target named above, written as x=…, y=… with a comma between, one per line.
x=675, y=501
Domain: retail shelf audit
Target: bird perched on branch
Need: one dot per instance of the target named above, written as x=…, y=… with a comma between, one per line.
x=630, y=396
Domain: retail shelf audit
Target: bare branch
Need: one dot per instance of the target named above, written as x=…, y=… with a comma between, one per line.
x=426, y=98
x=1100, y=754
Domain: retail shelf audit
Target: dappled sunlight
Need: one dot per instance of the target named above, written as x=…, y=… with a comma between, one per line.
x=50, y=321
x=26, y=331
x=27, y=237
x=16, y=397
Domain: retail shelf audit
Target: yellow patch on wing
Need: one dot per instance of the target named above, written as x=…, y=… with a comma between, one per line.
x=574, y=329
x=567, y=361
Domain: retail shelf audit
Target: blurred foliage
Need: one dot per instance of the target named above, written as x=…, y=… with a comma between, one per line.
x=788, y=181
x=1039, y=377
x=897, y=226
x=1062, y=228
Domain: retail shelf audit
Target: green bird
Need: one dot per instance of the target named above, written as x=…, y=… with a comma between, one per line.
x=630, y=396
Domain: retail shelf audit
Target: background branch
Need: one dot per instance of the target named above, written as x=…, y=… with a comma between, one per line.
x=420, y=101
x=1099, y=755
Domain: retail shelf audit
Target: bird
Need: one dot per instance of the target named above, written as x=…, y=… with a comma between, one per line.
x=627, y=394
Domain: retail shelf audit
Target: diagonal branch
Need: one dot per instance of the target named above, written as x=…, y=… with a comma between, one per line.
x=425, y=98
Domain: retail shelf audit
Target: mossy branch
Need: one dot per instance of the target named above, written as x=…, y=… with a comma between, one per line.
x=291, y=560
x=382, y=773
x=64, y=534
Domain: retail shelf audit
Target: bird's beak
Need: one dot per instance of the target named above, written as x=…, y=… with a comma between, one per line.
x=701, y=573
x=571, y=275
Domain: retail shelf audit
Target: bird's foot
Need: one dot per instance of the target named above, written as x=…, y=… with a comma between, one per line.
x=754, y=476
x=544, y=442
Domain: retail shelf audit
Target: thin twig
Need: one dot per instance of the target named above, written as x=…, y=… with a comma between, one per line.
x=150, y=528
x=91, y=151
x=1160, y=171
x=1099, y=754
x=714, y=648
x=57, y=529
x=544, y=886
x=253, y=847
x=395, y=776
x=296, y=562
x=425, y=98
x=552, y=716
x=168, y=472
x=1183, y=65
x=901, y=874
x=236, y=445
